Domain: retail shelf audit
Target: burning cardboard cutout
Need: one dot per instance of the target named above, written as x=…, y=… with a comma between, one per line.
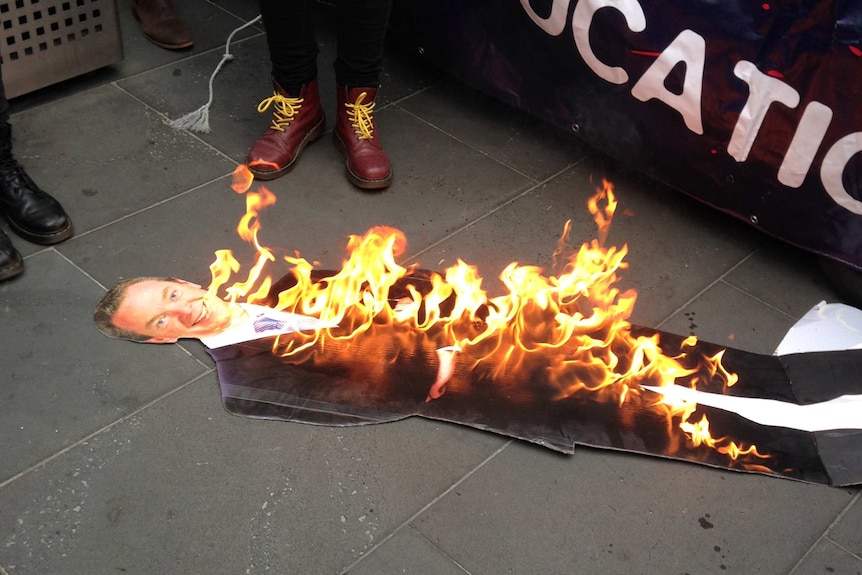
x=554, y=361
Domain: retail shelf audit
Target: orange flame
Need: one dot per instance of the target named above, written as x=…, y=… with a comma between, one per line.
x=578, y=319
x=242, y=179
x=603, y=216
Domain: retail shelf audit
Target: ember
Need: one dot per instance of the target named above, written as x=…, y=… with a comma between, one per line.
x=572, y=327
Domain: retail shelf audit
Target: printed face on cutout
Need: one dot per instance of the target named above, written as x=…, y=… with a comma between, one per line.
x=168, y=310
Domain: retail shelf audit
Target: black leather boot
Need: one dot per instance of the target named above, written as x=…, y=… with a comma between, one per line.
x=11, y=263
x=32, y=213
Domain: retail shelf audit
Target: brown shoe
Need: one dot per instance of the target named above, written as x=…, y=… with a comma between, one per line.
x=356, y=135
x=161, y=24
x=296, y=122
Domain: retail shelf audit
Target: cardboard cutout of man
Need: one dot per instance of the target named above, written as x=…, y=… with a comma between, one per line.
x=308, y=371
x=244, y=339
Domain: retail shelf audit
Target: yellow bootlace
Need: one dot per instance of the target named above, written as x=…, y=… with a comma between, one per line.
x=361, y=118
x=285, y=111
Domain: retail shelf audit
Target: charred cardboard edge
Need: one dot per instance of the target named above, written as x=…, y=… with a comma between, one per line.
x=832, y=458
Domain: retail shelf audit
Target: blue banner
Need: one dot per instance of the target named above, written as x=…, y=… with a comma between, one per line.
x=751, y=107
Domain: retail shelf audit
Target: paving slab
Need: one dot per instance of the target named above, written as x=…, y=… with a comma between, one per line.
x=239, y=87
x=61, y=379
x=536, y=149
x=209, y=25
x=751, y=327
x=122, y=158
x=527, y=511
x=827, y=557
x=407, y=552
x=847, y=531
x=184, y=487
x=175, y=237
x=784, y=277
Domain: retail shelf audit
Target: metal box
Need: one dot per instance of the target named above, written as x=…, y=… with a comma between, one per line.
x=43, y=42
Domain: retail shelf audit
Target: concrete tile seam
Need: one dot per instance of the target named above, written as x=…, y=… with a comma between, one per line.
x=192, y=56
x=167, y=119
x=504, y=204
x=39, y=252
x=848, y=551
x=101, y=430
x=189, y=353
x=85, y=274
x=710, y=285
x=443, y=553
x=754, y=297
x=471, y=223
x=407, y=97
x=145, y=209
x=428, y=506
x=468, y=145
x=239, y=18
x=825, y=534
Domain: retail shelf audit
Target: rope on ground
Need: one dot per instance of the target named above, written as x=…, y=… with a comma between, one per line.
x=199, y=120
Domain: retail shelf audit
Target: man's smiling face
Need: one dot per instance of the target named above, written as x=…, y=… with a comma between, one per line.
x=168, y=310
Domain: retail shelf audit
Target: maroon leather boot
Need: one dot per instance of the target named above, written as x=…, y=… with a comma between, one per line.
x=356, y=135
x=296, y=122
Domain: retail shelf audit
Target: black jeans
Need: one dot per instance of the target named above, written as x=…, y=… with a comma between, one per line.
x=290, y=35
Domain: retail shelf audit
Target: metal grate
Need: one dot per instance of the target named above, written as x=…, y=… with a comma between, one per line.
x=47, y=41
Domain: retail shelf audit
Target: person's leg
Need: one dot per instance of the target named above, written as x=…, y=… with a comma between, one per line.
x=292, y=43
x=32, y=213
x=298, y=117
x=11, y=262
x=361, y=34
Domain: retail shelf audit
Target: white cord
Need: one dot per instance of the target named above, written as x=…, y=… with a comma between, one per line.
x=199, y=120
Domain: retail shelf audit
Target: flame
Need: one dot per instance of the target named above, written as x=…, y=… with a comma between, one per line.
x=603, y=216
x=242, y=179
x=577, y=319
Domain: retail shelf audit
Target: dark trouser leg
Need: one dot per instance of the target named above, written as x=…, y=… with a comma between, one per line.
x=361, y=34
x=291, y=39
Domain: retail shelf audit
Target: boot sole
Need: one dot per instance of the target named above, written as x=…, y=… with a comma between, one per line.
x=314, y=134
x=12, y=271
x=362, y=183
x=185, y=46
x=42, y=239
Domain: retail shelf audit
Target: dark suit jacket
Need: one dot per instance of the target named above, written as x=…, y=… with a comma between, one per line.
x=385, y=374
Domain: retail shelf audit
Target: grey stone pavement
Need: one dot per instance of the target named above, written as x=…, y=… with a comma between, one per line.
x=119, y=458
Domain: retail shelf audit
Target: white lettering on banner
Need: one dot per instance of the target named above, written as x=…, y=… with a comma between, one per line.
x=553, y=24
x=832, y=170
x=764, y=90
x=690, y=49
x=809, y=134
x=581, y=20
